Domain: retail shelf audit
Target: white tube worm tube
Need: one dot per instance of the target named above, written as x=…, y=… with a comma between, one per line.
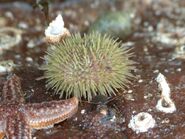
x=164, y=104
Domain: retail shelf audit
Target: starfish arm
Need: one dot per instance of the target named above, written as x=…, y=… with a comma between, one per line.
x=47, y=114
x=2, y=135
x=2, y=124
x=12, y=90
x=2, y=129
x=17, y=128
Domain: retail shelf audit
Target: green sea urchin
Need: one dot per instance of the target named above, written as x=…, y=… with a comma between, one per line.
x=87, y=66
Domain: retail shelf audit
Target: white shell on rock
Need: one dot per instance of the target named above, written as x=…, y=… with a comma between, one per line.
x=141, y=122
x=56, y=31
x=56, y=27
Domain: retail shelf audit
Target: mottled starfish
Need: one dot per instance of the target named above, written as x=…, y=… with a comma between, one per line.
x=17, y=119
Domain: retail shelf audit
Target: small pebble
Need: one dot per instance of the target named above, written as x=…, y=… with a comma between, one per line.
x=129, y=97
x=140, y=81
x=29, y=59
x=9, y=15
x=156, y=71
x=6, y=66
x=83, y=111
x=23, y=25
x=130, y=91
x=166, y=70
x=75, y=119
x=31, y=44
x=179, y=69
x=113, y=119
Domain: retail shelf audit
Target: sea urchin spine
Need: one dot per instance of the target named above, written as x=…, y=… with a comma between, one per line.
x=87, y=66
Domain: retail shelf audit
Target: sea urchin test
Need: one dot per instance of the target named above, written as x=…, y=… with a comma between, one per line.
x=87, y=66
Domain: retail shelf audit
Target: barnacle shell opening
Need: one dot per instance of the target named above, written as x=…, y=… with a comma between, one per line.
x=170, y=108
x=141, y=122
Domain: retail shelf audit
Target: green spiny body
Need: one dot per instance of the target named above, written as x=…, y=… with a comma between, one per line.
x=87, y=66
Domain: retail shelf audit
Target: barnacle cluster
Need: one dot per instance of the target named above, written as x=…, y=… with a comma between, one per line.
x=87, y=66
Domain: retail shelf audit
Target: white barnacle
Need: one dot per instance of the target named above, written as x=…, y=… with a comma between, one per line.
x=141, y=122
x=56, y=30
x=164, y=104
x=56, y=27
